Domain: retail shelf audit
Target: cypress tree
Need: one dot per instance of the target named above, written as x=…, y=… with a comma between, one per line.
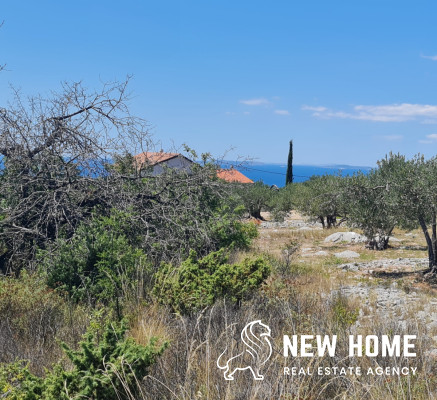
x=289, y=176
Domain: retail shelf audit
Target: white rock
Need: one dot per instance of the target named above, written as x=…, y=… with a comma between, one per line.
x=349, y=237
x=391, y=239
x=347, y=254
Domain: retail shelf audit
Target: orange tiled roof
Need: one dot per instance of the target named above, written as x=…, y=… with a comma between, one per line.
x=154, y=157
x=232, y=175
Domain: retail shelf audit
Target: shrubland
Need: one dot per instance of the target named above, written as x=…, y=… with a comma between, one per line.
x=199, y=283
x=117, y=284
x=84, y=228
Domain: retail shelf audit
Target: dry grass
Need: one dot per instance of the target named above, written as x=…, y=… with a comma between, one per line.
x=150, y=322
x=300, y=297
x=188, y=371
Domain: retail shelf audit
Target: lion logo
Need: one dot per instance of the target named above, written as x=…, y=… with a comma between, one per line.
x=258, y=349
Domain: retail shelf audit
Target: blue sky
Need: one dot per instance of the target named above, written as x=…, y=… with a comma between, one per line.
x=348, y=81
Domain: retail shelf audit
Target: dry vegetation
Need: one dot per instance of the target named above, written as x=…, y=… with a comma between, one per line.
x=299, y=298
x=302, y=296
x=98, y=247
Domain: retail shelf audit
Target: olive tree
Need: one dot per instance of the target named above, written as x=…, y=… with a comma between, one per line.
x=255, y=197
x=320, y=197
x=370, y=207
x=413, y=187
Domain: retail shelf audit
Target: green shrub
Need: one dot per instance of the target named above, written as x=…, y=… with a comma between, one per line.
x=99, y=264
x=232, y=233
x=17, y=383
x=198, y=283
x=109, y=366
x=343, y=315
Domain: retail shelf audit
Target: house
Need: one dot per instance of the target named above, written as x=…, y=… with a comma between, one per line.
x=232, y=175
x=160, y=161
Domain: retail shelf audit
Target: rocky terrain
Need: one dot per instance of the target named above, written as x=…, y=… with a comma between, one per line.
x=383, y=284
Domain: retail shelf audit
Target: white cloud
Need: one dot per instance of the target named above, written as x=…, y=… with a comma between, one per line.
x=282, y=112
x=246, y=113
x=382, y=113
x=255, y=102
x=429, y=139
x=433, y=58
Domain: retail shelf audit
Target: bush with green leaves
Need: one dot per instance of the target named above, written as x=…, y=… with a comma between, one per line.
x=98, y=265
x=109, y=366
x=198, y=283
x=18, y=383
x=232, y=233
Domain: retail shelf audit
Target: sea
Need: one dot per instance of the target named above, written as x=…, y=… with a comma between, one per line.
x=274, y=174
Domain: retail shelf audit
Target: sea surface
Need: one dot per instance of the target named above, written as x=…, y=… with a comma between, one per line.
x=274, y=174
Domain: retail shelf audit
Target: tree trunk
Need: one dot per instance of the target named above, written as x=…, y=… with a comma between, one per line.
x=257, y=214
x=331, y=220
x=433, y=267
x=322, y=220
x=344, y=219
x=429, y=243
x=380, y=243
x=434, y=237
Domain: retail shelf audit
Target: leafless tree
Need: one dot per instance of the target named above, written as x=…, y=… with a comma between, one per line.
x=65, y=157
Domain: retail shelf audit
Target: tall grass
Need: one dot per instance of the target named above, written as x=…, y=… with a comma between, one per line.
x=188, y=370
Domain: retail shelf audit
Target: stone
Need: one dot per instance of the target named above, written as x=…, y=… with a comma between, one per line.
x=391, y=239
x=347, y=254
x=348, y=237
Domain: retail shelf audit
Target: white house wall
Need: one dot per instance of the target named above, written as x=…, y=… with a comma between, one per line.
x=179, y=163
